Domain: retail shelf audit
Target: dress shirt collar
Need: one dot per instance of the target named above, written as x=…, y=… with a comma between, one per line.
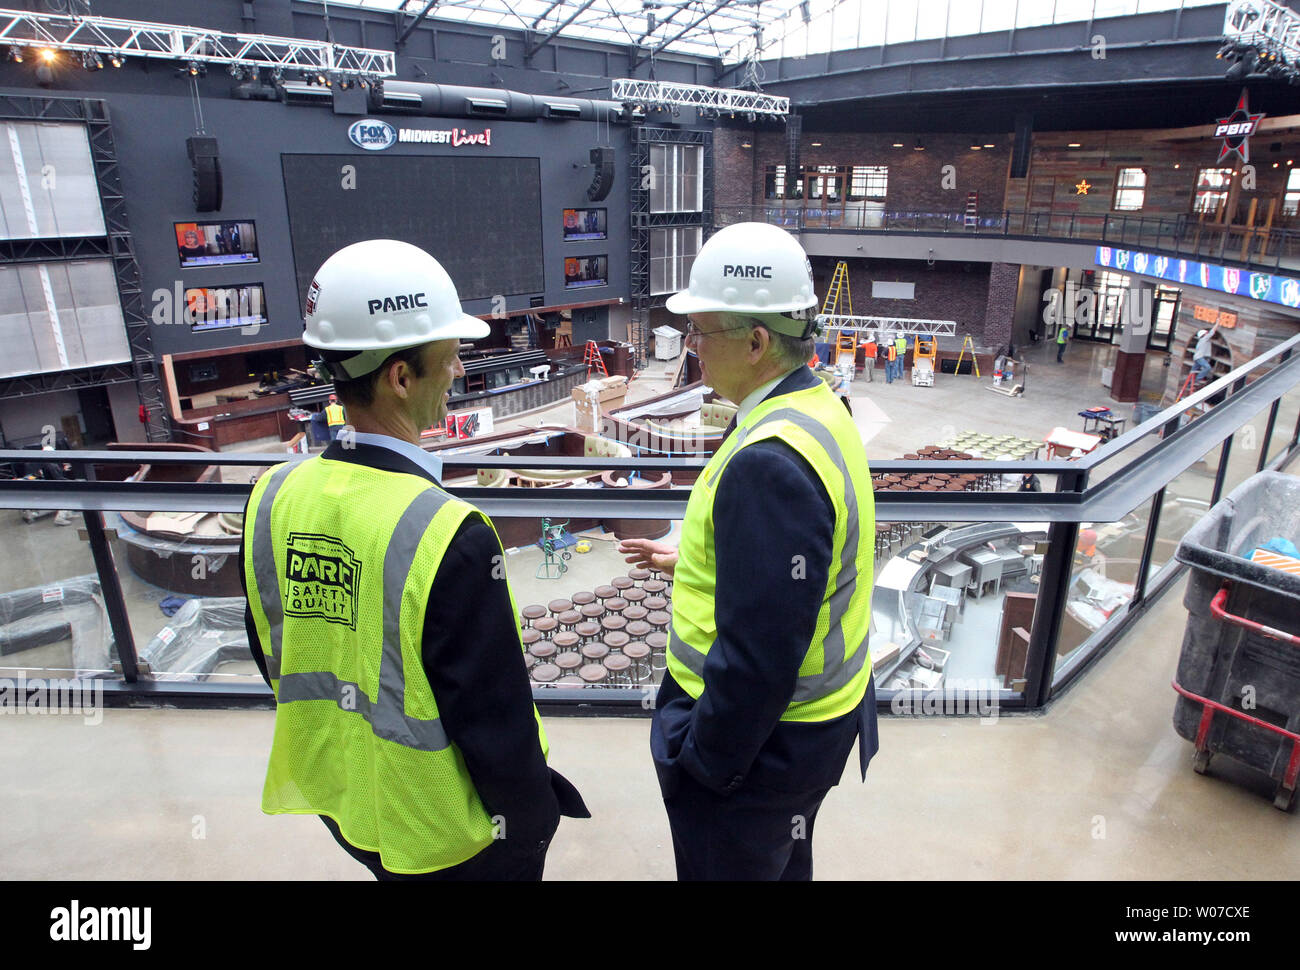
x=430, y=463
x=756, y=396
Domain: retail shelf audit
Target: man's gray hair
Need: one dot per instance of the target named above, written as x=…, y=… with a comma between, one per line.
x=790, y=352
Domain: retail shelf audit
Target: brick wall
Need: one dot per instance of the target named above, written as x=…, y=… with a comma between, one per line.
x=944, y=291
x=1055, y=171
x=915, y=177
x=1000, y=309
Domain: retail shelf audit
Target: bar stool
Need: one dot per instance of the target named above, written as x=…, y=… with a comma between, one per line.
x=638, y=628
x=637, y=652
x=593, y=611
x=621, y=583
x=616, y=640
x=636, y=595
x=618, y=666
x=565, y=640
x=568, y=662
x=613, y=622
x=605, y=592
x=569, y=619
x=593, y=674
x=638, y=575
x=616, y=604
x=659, y=619
x=634, y=612
x=583, y=598
x=658, y=644
x=595, y=651
x=546, y=624
x=653, y=603
x=533, y=611
x=545, y=673
x=558, y=606
x=543, y=651
x=654, y=586
x=529, y=636
x=587, y=630
x=570, y=680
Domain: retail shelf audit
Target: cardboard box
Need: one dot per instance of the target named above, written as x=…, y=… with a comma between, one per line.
x=590, y=398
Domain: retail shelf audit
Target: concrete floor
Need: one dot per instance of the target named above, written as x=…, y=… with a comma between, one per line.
x=1098, y=787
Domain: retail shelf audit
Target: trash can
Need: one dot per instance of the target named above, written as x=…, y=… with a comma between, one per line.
x=1238, y=676
x=320, y=434
x=668, y=343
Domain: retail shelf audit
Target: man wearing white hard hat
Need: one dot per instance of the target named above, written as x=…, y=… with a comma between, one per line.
x=769, y=678
x=379, y=611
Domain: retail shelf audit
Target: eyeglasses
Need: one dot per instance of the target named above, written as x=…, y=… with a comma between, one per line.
x=694, y=331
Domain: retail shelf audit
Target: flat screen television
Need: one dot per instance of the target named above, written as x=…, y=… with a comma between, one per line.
x=240, y=307
x=582, y=224
x=215, y=243
x=585, y=271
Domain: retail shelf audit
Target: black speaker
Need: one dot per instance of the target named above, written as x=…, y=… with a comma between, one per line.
x=207, y=172
x=1023, y=143
x=603, y=180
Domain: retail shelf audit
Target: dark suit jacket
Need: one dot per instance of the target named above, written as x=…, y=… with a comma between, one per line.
x=770, y=507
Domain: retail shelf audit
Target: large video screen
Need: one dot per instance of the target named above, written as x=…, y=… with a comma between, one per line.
x=216, y=243
x=586, y=271
x=582, y=224
x=223, y=307
x=480, y=217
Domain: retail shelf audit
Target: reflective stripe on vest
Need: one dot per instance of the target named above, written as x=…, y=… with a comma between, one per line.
x=334, y=414
x=387, y=717
x=837, y=670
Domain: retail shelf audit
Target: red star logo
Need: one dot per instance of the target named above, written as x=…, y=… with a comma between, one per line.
x=1236, y=129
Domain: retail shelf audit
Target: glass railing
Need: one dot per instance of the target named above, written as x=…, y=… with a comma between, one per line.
x=1183, y=236
x=985, y=594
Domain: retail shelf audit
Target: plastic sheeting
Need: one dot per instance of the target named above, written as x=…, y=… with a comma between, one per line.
x=202, y=635
x=46, y=614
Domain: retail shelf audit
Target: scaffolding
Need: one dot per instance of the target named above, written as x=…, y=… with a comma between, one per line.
x=669, y=94
x=114, y=37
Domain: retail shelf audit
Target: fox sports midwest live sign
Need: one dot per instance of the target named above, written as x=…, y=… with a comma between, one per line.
x=372, y=135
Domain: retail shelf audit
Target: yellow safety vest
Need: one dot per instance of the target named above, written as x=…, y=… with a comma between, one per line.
x=339, y=559
x=334, y=414
x=837, y=665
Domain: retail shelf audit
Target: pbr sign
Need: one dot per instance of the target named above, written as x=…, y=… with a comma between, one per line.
x=1236, y=129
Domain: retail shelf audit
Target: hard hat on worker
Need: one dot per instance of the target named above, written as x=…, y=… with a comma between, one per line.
x=755, y=269
x=380, y=296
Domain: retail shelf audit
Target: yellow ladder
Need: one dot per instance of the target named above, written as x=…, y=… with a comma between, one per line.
x=839, y=303
x=975, y=363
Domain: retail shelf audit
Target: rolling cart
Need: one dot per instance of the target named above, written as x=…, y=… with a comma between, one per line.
x=1238, y=677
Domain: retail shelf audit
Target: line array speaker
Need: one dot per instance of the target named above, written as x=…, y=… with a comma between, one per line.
x=603, y=180
x=207, y=172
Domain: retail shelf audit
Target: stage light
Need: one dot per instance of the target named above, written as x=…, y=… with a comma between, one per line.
x=92, y=61
x=117, y=60
x=48, y=55
x=15, y=53
x=194, y=69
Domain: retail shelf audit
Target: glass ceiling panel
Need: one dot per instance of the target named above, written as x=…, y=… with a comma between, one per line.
x=735, y=29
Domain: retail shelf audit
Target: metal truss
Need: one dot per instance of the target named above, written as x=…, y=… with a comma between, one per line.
x=667, y=94
x=897, y=325
x=30, y=385
x=643, y=221
x=1268, y=26
x=136, y=38
x=116, y=245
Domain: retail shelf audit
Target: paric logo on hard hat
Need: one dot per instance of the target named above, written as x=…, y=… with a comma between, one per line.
x=747, y=272
x=322, y=576
x=397, y=303
x=313, y=293
x=372, y=135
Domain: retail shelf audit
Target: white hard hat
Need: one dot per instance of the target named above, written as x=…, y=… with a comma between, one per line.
x=380, y=296
x=1201, y=333
x=751, y=268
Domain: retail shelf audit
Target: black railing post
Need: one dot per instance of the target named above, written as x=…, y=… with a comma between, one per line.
x=1053, y=591
x=1268, y=436
x=111, y=587
x=1148, y=548
x=1105, y=226
x=1222, y=472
